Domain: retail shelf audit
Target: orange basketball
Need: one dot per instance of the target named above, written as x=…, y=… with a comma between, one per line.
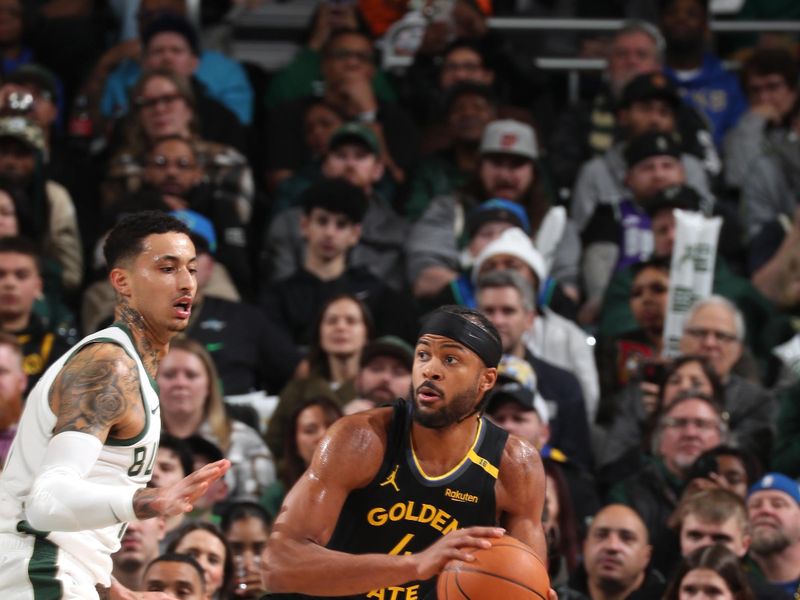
x=509, y=570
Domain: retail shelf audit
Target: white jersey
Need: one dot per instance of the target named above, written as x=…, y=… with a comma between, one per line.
x=122, y=463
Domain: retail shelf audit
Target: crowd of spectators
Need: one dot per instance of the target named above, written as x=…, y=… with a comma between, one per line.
x=334, y=202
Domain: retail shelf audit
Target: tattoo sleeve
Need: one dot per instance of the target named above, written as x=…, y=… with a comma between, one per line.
x=144, y=503
x=94, y=391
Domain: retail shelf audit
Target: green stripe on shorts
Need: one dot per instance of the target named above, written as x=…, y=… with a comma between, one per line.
x=42, y=569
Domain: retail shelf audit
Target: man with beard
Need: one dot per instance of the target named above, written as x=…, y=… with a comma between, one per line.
x=692, y=424
x=615, y=557
x=385, y=373
x=173, y=170
x=773, y=506
x=699, y=75
x=445, y=474
x=507, y=170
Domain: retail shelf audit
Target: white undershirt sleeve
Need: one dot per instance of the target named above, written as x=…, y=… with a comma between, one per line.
x=62, y=500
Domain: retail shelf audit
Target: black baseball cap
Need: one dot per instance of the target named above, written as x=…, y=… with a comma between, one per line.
x=676, y=196
x=389, y=345
x=649, y=86
x=651, y=144
x=508, y=389
x=173, y=23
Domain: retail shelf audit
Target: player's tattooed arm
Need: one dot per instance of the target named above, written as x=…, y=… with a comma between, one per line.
x=145, y=502
x=95, y=391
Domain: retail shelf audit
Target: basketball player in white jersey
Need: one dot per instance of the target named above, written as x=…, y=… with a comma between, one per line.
x=85, y=446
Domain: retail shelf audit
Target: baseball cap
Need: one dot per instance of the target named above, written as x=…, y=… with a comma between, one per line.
x=24, y=130
x=514, y=242
x=509, y=389
x=507, y=136
x=357, y=132
x=173, y=23
x=198, y=224
x=497, y=209
x=648, y=145
x=36, y=75
x=649, y=86
x=778, y=482
x=389, y=345
x=676, y=196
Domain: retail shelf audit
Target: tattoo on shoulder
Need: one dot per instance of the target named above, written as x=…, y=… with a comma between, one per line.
x=94, y=390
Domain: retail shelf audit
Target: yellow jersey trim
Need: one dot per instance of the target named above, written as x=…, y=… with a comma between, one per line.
x=471, y=451
x=483, y=464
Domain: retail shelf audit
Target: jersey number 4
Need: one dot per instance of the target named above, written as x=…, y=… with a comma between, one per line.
x=139, y=459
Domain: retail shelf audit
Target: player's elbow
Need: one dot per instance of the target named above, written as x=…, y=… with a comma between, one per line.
x=44, y=510
x=273, y=574
x=276, y=567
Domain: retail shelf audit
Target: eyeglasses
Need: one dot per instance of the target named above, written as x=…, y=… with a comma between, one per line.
x=701, y=333
x=344, y=54
x=142, y=102
x=182, y=164
x=704, y=425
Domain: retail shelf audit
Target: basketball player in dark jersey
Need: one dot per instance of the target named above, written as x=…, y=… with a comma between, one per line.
x=393, y=494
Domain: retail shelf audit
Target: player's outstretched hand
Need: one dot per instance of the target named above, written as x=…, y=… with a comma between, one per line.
x=455, y=545
x=180, y=497
x=552, y=595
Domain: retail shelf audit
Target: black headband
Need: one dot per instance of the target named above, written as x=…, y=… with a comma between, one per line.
x=465, y=332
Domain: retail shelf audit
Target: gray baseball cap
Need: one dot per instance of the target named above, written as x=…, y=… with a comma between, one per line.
x=507, y=136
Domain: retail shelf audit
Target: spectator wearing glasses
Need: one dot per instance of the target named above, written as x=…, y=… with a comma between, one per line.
x=174, y=171
x=166, y=106
x=714, y=328
x=347, y=67
x=692, y=424
x=168, y=41
x=303, y=76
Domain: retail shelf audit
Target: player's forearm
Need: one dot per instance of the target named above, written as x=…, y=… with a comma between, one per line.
x=307, y=568
x=61, y=499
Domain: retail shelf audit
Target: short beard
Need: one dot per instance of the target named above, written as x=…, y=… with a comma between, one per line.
x=773, y=543
x=611, y=586
x=459, y=408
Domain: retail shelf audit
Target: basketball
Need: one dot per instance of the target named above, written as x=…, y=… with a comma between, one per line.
x=509, y=570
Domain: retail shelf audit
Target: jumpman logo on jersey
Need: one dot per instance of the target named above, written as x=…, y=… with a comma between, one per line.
x=390, y=480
